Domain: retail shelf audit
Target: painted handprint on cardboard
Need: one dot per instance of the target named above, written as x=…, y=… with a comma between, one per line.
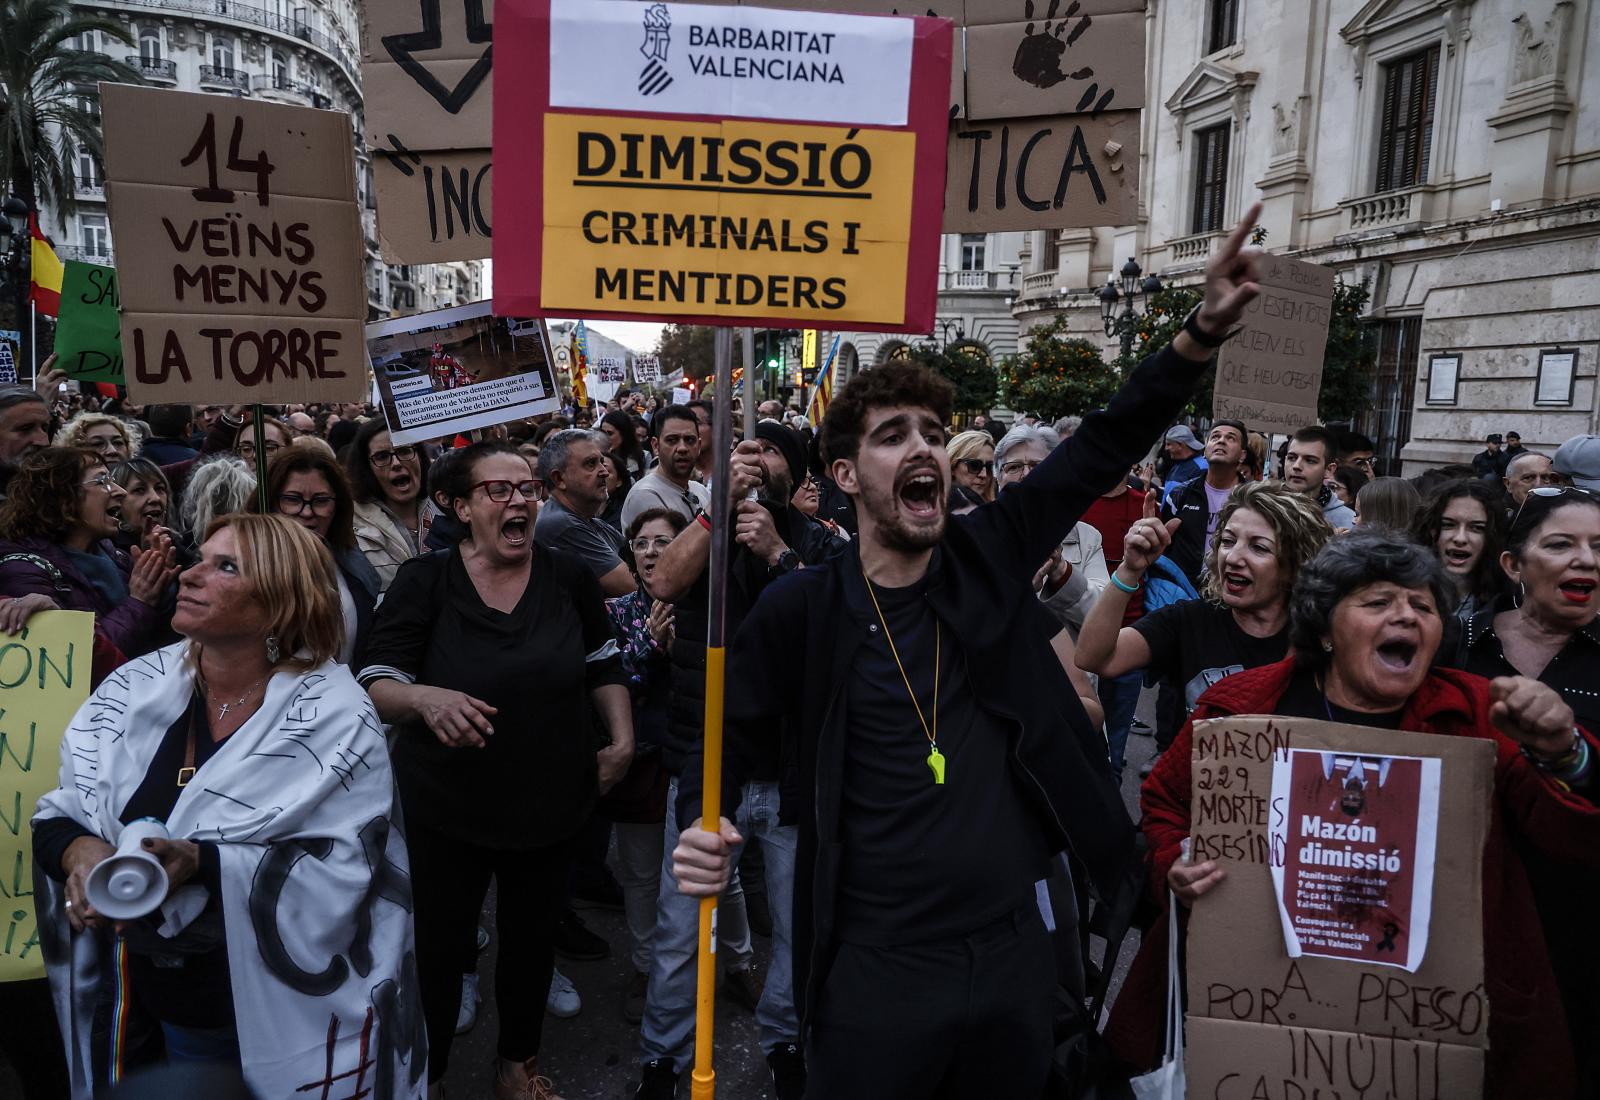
x=1043, y=49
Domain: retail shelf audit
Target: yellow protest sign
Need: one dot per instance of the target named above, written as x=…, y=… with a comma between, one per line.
x=44, y=679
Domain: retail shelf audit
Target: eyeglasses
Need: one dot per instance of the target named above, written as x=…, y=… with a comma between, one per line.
x=104, y=481
x=294, y=504
x=975, y=465
x=1020, y=465
x=248, y=450
x=104, y=445
x=658, y=544
x=381, y=459
x=500, y=491
x=1548, y=492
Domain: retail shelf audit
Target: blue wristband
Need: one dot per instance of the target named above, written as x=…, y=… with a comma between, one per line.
x=1125, y=588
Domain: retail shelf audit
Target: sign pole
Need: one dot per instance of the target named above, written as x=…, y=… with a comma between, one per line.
x=259, y=430
x=749, y=383
x=705, y=1074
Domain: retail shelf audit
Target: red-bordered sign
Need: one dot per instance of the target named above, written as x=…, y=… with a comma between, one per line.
x=761, y=166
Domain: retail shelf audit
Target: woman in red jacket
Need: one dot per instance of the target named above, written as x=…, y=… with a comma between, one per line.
x=1366, y=619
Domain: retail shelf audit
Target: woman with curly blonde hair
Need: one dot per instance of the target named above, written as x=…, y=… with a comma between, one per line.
x=1265, y=533
x=112, y=439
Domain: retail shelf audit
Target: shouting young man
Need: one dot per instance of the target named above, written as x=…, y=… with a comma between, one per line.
x=940, y=758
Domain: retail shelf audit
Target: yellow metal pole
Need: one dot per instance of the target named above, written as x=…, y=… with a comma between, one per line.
x=704, y=1081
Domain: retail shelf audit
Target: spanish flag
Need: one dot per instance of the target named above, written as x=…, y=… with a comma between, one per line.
x=45, y=293
x=823, y=393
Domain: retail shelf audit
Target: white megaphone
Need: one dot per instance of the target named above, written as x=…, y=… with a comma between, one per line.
x=130, y=882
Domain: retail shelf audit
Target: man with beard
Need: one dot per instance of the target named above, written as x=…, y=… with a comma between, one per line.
x=670, y=484
x=771, y=539
x=24, y=428
x=943, y=757
x=573, y=468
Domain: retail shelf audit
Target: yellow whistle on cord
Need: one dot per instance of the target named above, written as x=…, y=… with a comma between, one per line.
x=936, y=765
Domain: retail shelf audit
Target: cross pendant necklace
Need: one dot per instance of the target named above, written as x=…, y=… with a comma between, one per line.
x=224, y=708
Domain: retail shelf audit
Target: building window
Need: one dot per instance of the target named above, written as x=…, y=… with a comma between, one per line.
x=972, y=251
x=1224, y=30
x=222, y=54
x=88, y=170
x=1210, y=177
x=95, y=236
x=150, y=45
x=280, y=71
x=1405, y=133
x=1387, y=419
x=85, y=42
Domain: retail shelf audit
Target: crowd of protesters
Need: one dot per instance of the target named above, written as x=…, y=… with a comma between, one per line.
x=939, y=640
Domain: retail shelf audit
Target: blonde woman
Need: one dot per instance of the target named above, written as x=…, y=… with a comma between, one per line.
x=1265, y=533
x=971, y=470
x=288, y=895
x=112, y=439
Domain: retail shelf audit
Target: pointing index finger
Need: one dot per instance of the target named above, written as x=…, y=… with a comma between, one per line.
x=1236, y=239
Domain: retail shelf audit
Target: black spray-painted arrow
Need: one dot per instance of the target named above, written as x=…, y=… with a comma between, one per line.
x=404, y=47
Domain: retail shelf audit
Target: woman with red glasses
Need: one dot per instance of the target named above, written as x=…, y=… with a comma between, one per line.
x=487, y=657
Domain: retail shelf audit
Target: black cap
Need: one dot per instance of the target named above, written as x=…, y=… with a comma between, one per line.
x=1493, y=437
x=788, y=443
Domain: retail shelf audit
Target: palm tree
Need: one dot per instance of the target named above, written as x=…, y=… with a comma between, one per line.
x=43, y=118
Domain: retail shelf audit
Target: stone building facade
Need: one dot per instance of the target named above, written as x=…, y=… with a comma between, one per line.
x=1445, y=151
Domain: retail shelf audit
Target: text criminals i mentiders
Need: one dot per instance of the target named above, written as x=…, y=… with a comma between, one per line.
x=718, y=169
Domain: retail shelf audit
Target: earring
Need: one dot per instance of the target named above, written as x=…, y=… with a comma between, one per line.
x=1521, y=596
x=273, y=653
x=1327, y=646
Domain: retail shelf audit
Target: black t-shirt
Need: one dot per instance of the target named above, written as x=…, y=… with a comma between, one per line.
x=923, y=861
x=1195, y=643
x=535, y=781
x=1305, y=699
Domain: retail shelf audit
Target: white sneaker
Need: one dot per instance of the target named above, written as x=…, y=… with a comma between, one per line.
x=563, y=1000
x=467, y=1014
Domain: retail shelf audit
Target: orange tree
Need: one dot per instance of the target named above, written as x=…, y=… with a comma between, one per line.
x=1057, y=375
x=968, y=370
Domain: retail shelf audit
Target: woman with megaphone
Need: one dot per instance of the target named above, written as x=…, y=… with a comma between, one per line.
x=223, y=881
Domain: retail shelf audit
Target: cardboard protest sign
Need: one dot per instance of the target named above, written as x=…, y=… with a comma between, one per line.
x=647, y=370
x=8, y=362
x=88, y=329
x=425, y=71
x=1263, y=1022
x=1044, y=109
x=606, y=373
x=44, y=674
x=765, y=166
x=239, y=253
x=1357, y=836
x=1269, y=375
x=682, y=395
x=454, y=370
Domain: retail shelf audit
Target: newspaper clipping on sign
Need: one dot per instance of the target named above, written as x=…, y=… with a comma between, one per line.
x=456, y=370
x=1357, y=837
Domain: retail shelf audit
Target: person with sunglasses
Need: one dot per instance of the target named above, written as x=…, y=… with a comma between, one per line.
x=392, y=512
x=971, y=470
x=309, y=487
x=56, y=526
x=1545, y=629
x=492, y=659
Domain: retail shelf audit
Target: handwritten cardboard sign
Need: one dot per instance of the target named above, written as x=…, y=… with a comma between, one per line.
x=1044, y=109
x=425, y=68
x=88, y=329
x=1261, y=1022
x=239, y=253
x=44, y=677
x=451, y=371
x=744, y=165
x=1269, y=375
x=8, y=362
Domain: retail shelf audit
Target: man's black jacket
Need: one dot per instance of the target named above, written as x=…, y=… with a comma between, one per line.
x=791, y=659
x=1188, y=550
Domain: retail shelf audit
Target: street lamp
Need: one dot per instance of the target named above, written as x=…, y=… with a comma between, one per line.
x=16, y=214
x=947, y=327
x=1122, y=323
